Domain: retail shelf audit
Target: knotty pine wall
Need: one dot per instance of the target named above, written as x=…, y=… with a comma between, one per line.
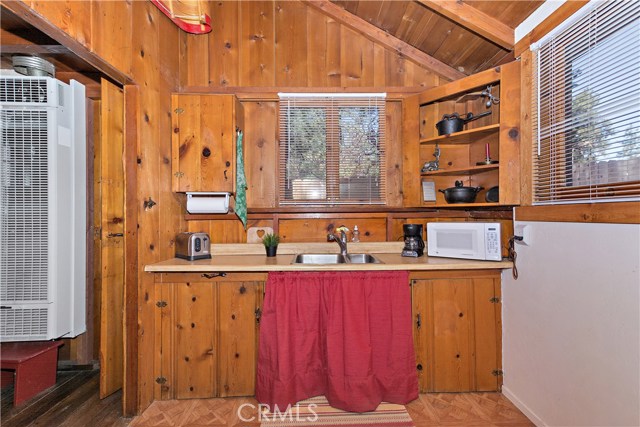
x=137, y=39
x=259, y=47
x=288, y=44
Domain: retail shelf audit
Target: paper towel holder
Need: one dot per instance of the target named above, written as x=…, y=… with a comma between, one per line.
x=208, y=202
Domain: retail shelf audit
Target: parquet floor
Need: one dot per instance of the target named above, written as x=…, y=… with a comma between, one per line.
x=74, y=402
x=440, y=409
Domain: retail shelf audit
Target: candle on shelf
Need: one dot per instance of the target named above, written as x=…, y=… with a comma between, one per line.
x=487, y=150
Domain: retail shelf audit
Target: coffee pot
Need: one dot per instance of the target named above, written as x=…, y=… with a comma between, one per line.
x=413, y=243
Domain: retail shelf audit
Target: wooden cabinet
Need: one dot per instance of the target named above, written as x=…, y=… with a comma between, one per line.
x=207, y=333
x=461, y=152
x=203, y=142
x=457, y=330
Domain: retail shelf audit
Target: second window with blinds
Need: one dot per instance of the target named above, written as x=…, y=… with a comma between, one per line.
x=332, y=149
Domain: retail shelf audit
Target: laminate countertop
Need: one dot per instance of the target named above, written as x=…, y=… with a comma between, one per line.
x=251, y=258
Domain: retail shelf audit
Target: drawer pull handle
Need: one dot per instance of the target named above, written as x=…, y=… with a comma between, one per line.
x=213, y=275
x=110, y=235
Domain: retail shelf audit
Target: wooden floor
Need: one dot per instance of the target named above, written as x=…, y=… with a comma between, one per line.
x=74, y=402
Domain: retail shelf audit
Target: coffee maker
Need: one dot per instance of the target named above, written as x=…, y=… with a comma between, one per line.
x=413, y=243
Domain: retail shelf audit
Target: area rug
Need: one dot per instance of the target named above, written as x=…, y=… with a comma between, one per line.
x=316, y=412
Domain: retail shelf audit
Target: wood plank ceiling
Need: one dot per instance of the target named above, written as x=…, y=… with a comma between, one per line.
x=468, y=36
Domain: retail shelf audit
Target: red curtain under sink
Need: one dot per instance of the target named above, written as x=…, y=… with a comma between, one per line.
x=345, y=335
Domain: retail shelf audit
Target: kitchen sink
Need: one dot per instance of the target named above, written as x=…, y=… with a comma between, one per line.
x=363, y=259
x=335, y=259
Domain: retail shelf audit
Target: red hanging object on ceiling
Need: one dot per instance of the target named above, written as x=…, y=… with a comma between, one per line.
x=186, y=14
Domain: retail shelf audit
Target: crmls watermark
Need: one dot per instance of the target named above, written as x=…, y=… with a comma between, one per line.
x=291, y=413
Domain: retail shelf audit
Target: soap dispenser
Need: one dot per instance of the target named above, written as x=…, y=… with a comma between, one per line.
x=355, y=235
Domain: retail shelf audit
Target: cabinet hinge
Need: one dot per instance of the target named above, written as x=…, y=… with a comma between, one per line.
x=161, y=380
x=497, y=372
x=161, y=304
x=179, y=110
x=494, y=300
x=178, y=174
x=258, y=315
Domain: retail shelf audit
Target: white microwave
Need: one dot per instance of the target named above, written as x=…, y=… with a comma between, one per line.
x=468, y=240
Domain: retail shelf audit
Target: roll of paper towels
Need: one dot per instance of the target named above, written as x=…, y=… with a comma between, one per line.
x=208, y=203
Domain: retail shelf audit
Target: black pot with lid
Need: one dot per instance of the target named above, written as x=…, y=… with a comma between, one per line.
x=460, y=193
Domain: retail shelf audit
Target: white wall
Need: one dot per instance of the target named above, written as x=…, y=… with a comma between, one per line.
x=571, y=334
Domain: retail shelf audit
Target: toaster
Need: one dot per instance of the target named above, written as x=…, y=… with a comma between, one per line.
x=193, y=246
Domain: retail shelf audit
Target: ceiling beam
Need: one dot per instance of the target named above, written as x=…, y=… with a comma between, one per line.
x=377, y=35
x=33, y=49
x=474, y=20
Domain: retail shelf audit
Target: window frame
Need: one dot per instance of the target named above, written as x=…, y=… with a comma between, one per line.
x=560, y=169
x=332, y=185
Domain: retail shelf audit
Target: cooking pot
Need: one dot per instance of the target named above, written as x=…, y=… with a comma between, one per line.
x=460, y=194
x=493, y=194
x=451, y=123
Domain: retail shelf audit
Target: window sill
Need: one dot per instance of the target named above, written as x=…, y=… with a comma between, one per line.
x=615, y=213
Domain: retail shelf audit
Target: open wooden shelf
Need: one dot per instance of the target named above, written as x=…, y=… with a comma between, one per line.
x=463, y=137
x=471, y=170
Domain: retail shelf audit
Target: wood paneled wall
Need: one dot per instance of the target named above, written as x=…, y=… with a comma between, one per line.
x=138, y=40
x=373, y=226
x=288, y=44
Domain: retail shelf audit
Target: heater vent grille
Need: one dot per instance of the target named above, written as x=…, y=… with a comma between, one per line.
x=24, y=91
x=30, y=323
x=24, y=201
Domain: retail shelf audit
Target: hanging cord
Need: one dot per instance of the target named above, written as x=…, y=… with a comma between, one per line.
x=513, y=255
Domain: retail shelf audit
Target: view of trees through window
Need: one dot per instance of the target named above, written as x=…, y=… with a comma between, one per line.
x=332, y=153
x=604, y=140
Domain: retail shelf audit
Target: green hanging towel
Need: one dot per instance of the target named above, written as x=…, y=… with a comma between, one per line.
x=241, y=183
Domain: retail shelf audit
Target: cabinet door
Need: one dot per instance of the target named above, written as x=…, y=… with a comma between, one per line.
x=488, y=333
x=457, y=334
x=451, y=335
x=237, y=320
x=195, y=343
x=185, y=341
x=203, y=142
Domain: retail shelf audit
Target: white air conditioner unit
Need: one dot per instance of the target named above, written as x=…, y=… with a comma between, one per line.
x=42, y=208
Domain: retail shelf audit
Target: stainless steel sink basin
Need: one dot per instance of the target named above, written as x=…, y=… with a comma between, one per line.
x=319, y=259
x=335, y=259
x=363, y=259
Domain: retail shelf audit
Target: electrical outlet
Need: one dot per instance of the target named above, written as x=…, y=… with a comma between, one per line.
x=523, y=230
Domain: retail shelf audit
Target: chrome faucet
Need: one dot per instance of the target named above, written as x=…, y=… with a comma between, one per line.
x=341, y=240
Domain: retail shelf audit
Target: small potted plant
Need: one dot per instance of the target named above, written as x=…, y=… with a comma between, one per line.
x=270, y=242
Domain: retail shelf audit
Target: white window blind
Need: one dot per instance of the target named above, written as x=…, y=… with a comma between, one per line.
x=586, y=107
x=332, y=149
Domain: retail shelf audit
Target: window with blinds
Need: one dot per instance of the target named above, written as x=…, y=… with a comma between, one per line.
x=586, y=107
x=332, y=149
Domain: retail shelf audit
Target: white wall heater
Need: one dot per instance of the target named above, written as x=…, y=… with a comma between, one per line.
x=42, y=208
